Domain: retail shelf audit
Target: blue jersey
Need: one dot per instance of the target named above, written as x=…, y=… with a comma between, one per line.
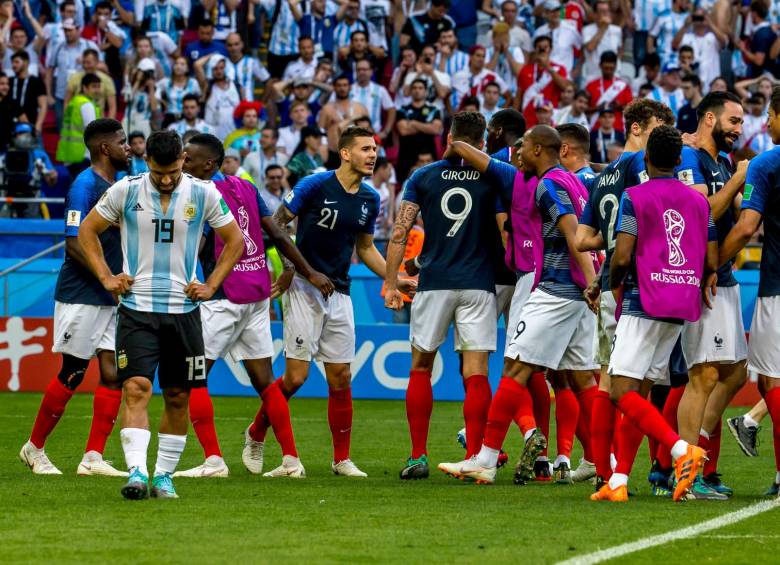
x=698, y=167
x=586, y=176
x=75, y=283
x=506, y=178
x=320, y=30
x=632, y=305
x=601, y=210
x=504, y=154
x=553, y=202
x=762, y=194
x=329, y=221
x=458, y=207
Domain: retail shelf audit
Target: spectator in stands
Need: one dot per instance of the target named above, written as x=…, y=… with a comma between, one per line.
x=376, y=14
x=669, y=91
x=242, y=68
x=338, y=114
x=246, y=138
x=319, y=26
x=380, y=181
x=267, y=154
x=640, y=23
x=10, y=113
x=272, y=189
x=609, y=90
x=375, y=98
x=757, y=52
x=137, y=142
x=439, y=84
x=574, y=113
x=309, y=155
x=107, y=35
x=288, y=92
x=18, y=42
x=80, y=112
x=450, y=59
x=305, y=66
x=52, y=34
x=668, y=29
x=544, y=113
x=172, y=90
x=707, y=41
x=464, y=18
x=106, y=98
x=566, y=40
x=686, y=60
x=598, y=38
x=754, y=123
x=142, y=103
x=28, y=91
x=405, y=68
x=162, y=16
x=424, y=29
x=24, y=168
x=687, y=120
x=506, y=61
x=284, y=35
x=472, y=80
x=719, y=85
x=205, y=45
x=419, y=124
x=342, y=35
x=604, y=135
x=290, y=136
x=491, y=97
x=359, y=50
x=222, y=97
x=190, y=117
x=143, y=50
x=518, y=35
x=543, y=79
x=62, y=62
x=231, y=166
x=649, y=73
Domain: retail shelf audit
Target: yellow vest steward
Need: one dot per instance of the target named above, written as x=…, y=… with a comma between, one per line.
x=71, y=148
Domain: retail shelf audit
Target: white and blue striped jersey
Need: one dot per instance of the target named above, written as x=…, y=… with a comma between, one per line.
x=675, y=100
x=244, y=73
x=343, y=32
x=457, y=62
x=174, y=95
x=374, y=98
x=664, y=29
x=646, y=12
x=284, y=31
x=160, y=249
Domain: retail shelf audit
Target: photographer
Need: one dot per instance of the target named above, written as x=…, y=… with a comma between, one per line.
x=141, y=101
x=23, y=168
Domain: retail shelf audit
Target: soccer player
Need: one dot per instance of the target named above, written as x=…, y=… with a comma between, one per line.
x=745, y=428
x=575, y=152
x=715, y=346
x=597, y=231
x=554, y=315
x=664, y=257
x=84, y=313
x=336, y=214
x=760, y=204
x=236, y=319
x=161, y=215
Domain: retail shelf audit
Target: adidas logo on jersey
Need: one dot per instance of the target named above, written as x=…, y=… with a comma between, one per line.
x=138, y=207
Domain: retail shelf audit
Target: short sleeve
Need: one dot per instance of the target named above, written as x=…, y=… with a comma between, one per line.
x=217, y=212
x=657, y=26
x=554, y=199
x=262, y=206
x=302, y=193
x=387, y=101
x=370, y=225
x=689, y=170
x=588, y=218
x=626, y=217
x=504, y=174
x=110, y=204
x=757, y=185
x=410, y=190
x=77, y=206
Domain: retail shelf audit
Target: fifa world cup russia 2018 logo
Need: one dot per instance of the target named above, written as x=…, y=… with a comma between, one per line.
x=674, y=225
x=243, y=223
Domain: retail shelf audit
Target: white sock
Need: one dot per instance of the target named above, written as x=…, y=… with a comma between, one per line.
x=562, y=459
x=92, y=456
x=487, y=457
x=528, y=434
x=542, y=458
x=612, y=461
x=135, y=442
x=749, y=421
x=679, y=449
x=618, y=480
x=777, y=478
x=703, y=433
x=169, y=451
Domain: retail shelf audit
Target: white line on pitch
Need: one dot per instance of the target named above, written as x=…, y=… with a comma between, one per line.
x=661, y=539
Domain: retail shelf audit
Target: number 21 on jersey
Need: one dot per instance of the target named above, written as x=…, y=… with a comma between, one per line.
x=328, y=218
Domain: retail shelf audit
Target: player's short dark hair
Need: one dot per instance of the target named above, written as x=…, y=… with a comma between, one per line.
x=103, y=4
x=211, y=144
x=715, y=102
x=99, y=128
x=419, y=80
x=664, y=147
x=468, y=126
x=18, y=29
x=469, y=101
x=759, y=8
x=440, y=3
x=88, y=79
x=349, y=135
x=21, y=54
x=188, y=97
x=642, y=110
x=693, y=79
x=774, y=100
x=652, y=60
x=686, y=48
x=492, y=83
x=134, y=135
x=575, y=134
x=509, y=120
x=273, y=130
x=272, y=167
x=205, y=22
x=608, y=57
x=304, y=37
x=90, y=51
x=164, y=147
x=541, y=38
x=357, y=32
x=582, y=94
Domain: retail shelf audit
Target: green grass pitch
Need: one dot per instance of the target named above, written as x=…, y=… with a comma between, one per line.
x=248, y=519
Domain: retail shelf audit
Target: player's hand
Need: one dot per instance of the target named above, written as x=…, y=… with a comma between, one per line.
x=281, y=284
x=691, y=140
x=198, y=291
x=393, y=299
x=322, y=283
x=411, y=267
x=710, y=289
x=407, y=286
x=592, y=294
x=118, y=285
x=741, y=172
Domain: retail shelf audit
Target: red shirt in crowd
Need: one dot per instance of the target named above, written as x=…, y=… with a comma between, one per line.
x=529, y=76
x=597, y=87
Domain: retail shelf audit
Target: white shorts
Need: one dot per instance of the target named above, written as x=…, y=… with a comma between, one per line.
x=315, y=327
x=520, y=296
x=472, y=311
x=504, y=294
x=642, y=348
x=243, y=330
x=764, y=356
x=605, y=332
x=81, y=330
x=719, y=335
x=554, y=332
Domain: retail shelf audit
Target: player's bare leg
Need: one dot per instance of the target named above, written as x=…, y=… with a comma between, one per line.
x=770, y=389
x=339, y=377
x=690, y=414
x=419, y=405
x=745, y=428
x=136, y=393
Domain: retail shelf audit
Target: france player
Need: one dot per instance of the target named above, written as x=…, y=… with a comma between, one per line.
x=457, y=283
x=556, y=308
x=161, y=215
x=336, y=214
x=84, y=313
x=760, y=203
x=715, y=347
x=596, y=231
x=236, y=320
x=575, y=152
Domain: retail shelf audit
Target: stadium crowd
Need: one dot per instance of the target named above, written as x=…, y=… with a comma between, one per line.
x=276, y=95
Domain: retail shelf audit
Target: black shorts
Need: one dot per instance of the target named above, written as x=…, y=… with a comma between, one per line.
x=170, y=344
x=678, y=368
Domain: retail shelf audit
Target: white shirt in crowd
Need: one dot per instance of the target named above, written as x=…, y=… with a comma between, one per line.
x=611, y=41
x=219, y=109
x=565, y=39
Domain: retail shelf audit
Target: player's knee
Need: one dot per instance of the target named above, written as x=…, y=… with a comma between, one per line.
x=72, y=372
x=340, y=377
x=108, y=375
x=176, y=398
x=704, y=379
x=136, y=390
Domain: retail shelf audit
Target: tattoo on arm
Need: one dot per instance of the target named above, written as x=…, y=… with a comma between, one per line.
x=404, y=222
x=282, y=216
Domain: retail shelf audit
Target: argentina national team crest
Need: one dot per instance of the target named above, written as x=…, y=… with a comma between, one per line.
x=190, y=211
x=121, y=359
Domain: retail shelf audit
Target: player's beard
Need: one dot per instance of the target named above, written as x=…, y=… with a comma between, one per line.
x=721, y=138
x=121, y=164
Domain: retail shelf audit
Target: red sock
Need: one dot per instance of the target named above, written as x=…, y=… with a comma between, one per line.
x=105, y=407
x=585, y=399
x=713, y=450
x=277, y=411
x=629, y=438
x=202, y=417
x=567, y=412
x=419, y=405
x=475, y=411
x=670, y=415
x=261, y=424
x=511, y=398
x=647, y=419
x=773, y=405
x=340, y=421
x=540, y=395
x=602, y=429
x=652, y=448
x=53, y=405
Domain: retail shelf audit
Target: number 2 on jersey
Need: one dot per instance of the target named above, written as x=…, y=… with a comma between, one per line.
x=459, y=217
x=612, y=200
x=163, y=230
x=328, y=218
